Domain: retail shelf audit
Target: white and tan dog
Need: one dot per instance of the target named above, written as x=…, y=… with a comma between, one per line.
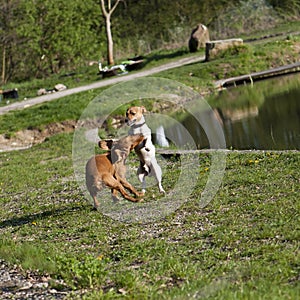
x=145, y=150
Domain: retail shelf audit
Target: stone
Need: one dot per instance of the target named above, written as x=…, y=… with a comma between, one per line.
x=60, y=87
x=42, y=92
x=198, y=38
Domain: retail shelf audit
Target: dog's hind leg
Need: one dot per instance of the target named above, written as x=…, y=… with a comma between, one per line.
x=96, y=203
x=141, y=173
x=131, y=188
x=93, y=187
x=157, y=173
x=126, y=196
x=114, y=195
x=116, y=185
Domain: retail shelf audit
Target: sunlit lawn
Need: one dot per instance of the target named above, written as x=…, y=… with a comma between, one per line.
x=242, y=245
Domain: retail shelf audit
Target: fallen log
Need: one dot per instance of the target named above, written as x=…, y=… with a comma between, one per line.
x=179, y=152
x=249, y=78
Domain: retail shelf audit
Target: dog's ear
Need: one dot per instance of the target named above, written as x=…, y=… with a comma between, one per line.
x=143, y=108
x=105, y=144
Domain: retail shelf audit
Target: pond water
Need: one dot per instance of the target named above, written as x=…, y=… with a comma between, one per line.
x=263, y=116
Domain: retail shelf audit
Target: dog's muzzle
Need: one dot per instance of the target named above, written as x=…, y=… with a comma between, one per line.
x=130, y=122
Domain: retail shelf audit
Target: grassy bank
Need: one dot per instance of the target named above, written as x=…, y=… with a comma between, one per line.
x=243, y=245
x=200, y=76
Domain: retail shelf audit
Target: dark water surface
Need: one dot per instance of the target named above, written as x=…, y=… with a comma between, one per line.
x=263, y=116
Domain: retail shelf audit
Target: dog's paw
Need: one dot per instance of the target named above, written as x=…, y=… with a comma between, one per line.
x=140, y=194
x=162, y=191
x=115, y=199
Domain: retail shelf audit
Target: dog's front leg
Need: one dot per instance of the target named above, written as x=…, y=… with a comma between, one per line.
x=131, y=188
x=114, y=184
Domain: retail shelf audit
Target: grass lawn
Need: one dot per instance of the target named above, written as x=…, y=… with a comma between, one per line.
x=243, y=245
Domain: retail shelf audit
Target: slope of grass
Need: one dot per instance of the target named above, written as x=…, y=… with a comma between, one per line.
x=243, y=245
x=199, y=76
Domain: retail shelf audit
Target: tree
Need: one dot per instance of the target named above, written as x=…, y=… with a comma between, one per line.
x=107, y=11
x=7, y=36
x=67, y=34
x=40, y=37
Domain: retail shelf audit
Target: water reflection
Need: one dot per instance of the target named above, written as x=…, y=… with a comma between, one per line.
x=263, y=116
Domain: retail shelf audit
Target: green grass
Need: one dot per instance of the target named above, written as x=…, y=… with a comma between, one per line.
x=86, y=75
x=67, y=108
x=83, y=75
x=199, y=76
x=243, y=245
x=240, y=61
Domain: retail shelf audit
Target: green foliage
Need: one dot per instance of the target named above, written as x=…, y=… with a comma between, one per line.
x=286, y=8
x=28, y=255
x=83, y=272
x=245, y=16
x=53, y=37
x=44, y=37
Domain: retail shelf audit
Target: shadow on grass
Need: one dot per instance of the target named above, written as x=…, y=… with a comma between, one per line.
x=23, y=220
x=162, y=56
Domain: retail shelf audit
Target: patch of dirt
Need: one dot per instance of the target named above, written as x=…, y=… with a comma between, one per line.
x=15, y=283
x=24, y=139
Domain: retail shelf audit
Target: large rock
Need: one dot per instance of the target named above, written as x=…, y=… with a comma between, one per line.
x=199, y=37
x=60, y=87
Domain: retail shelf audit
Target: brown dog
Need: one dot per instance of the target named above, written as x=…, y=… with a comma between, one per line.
x=109, y=169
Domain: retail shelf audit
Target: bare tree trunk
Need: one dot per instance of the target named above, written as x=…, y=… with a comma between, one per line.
x=3, y=64
x=110, y=43
x=107, y=12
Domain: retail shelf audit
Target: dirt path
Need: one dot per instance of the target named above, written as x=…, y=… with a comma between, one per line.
x=99, y=84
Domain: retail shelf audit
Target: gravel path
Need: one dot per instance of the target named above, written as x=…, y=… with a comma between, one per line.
x=101, y=83
x=18, y=284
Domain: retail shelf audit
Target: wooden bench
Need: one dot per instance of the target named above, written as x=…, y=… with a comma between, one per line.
x=212, y=48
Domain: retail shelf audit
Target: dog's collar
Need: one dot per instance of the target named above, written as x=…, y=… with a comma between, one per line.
x=138, y=125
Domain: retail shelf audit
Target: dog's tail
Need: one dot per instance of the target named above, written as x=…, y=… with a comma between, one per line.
x=161, y=137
